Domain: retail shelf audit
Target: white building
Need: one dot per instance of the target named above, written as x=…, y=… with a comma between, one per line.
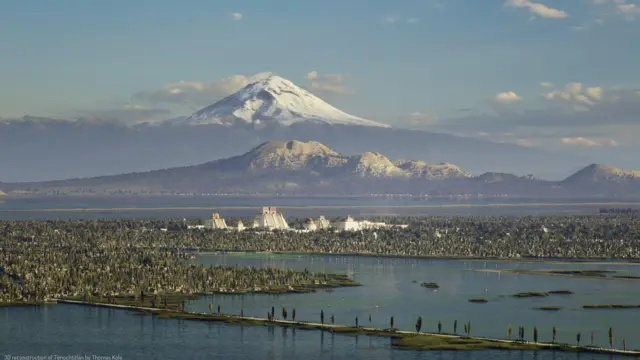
x=323, y=223
x=348, y=224
x=240, y=226
x=270, y=219
x=310, y=225
x=216, y=223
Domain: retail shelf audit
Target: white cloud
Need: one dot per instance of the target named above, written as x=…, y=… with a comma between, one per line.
x=507, y=97
x=417, y=120
x=197, y=92
x=576, y=95
x=236, y=16
x=389, y=20
x=413, y=20
x=630, y=11
x=327, y=85
x=546, y=84
x=594, y=93
x=583, y=141
x=537, y=9
x=583, y=115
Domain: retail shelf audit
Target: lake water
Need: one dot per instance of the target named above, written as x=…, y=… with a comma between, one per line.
x=75, y=330
x=201, y=207
x=388, y=291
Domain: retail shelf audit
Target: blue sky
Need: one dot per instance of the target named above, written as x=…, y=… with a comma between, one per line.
x=430, y=64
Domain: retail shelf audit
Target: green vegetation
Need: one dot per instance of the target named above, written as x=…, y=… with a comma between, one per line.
x=588, y=274
x=125, y=262
x=428, y=342
x=628, y=277
x=549, y=308
x=478, y=300
x=19, y=303
x=611, y=306
x=530, y=294
x=430, y=285
x=560, y=292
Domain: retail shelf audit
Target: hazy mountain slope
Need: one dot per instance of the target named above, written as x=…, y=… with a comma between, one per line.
x=311, y=168
x=272, y=165
x=599, y=173
x=32, y=151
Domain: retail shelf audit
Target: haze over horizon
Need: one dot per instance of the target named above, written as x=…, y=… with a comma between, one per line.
x=558, y=75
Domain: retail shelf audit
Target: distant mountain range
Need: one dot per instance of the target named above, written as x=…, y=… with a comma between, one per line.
x=311, y=168
x=37, y=149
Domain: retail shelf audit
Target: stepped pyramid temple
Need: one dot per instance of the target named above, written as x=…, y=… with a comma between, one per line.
x=216, y=223
x=270, y=219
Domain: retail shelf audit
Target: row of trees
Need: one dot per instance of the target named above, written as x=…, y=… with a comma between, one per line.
x=467, y=327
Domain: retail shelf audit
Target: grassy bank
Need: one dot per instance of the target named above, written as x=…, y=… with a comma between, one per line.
x=400, y=339
x=174, y=301
x=19, y=303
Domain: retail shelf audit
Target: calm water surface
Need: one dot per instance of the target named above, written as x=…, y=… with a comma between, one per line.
x=389, y=290
x=32, y=208
x=75, y=330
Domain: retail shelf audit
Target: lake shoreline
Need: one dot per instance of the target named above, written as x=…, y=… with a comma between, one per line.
x=590, y=261
x=294, y=207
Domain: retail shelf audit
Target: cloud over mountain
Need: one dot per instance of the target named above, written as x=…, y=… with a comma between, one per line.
x=198, y=93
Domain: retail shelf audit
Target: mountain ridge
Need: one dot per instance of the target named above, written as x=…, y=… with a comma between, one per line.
x=309, y=167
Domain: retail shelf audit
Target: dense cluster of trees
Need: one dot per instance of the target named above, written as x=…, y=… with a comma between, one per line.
x=55, y=259
x=611, y=236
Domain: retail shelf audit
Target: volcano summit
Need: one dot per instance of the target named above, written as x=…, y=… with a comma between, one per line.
x=273, y=101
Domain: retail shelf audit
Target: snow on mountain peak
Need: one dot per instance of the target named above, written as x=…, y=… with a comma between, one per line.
x=273, y=100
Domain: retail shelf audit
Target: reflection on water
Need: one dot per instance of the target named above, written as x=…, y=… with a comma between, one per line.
x=389, y=290
x=73, y=330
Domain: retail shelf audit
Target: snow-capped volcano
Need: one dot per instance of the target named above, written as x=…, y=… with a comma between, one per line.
x=273, y=101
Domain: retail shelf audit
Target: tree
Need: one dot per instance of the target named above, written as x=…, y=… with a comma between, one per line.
x=553, y=340
x=293, y=314
x=578, y=338
x=242, y=311
x=439, y=327
x=535, y=334
x=284, y=313
x=333, y=319
x=273, y=312
x=465, y=328
x=593, y=337
x=356, y=321
x=610, y=336
x=322, y=316
x=509, y=331
x=210, y=308
x=391, y=322
x=624, y=344
x=469, y=329
x=419, y=324
x=369, y=318
x=455, y=326
x=218, y=308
